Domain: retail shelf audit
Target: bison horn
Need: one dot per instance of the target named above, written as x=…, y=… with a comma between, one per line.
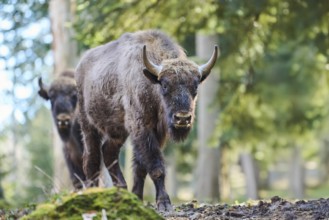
x=151, y=67
x=40, y=83
x=42, y=92
x=206, y=68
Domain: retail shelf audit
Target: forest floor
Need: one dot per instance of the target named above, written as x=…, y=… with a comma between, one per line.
x=276, y=208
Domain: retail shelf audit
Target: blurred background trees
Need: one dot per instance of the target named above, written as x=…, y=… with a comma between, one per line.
x=271, y=98
x=25, y=144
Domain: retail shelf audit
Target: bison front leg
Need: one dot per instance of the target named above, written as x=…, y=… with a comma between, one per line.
x=139, y=175
x=91, y=155
x=76, y=173
x=148, y=159
x=111, y=150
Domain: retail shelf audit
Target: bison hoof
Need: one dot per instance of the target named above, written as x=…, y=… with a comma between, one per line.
x=164, y=205
x=91, y=183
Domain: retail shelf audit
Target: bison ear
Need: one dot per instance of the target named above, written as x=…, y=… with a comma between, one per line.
x=42, y=91
x=151, y=76
x=43, y=94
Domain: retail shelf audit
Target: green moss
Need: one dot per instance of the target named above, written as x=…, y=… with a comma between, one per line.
x=118, y=204
x=43, y=211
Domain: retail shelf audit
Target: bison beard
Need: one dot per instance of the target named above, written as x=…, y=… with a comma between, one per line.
x=178, y=134
x=140, y=85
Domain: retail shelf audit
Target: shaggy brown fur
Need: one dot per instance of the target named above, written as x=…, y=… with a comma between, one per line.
x=118, y=97
x=63, y=97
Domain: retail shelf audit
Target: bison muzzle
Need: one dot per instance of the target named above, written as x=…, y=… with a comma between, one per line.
x=140, y=85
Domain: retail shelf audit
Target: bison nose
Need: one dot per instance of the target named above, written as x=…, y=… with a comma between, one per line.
x=63, y=120
x=182, y=119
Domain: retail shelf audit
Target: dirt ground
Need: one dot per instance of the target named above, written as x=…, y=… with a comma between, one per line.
x=276, y=208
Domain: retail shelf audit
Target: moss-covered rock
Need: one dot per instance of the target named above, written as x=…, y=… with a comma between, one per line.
x=118, y=204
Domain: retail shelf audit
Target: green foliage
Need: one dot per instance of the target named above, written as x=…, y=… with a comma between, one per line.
x=101, y=21
x=284, y=100
x=118, y=204
x=275, y=81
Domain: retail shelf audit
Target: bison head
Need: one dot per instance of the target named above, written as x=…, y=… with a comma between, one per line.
x=62, y=94
x=179, y=80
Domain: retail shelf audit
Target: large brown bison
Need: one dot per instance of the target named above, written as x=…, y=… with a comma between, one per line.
x=140, y=85
x=62, y=94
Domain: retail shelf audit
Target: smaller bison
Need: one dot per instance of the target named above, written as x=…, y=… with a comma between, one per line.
x=62, y=94
x=141, y=85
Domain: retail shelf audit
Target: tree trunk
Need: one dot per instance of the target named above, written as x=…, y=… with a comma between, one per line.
x=65, y=57
x=250, y=172
x=297, y=185
x=207, y=172
x=225, y=185
x=324, y=158
x=171, y=177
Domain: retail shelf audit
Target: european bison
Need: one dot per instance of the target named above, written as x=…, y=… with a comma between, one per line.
x=140, y=85
x=62, y=94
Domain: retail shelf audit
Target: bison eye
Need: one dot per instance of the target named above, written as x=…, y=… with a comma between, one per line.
x=194, y=92
x=52, y=101
x=195, y=88
x=164, y=87
x=74, y=99
x=52, y=98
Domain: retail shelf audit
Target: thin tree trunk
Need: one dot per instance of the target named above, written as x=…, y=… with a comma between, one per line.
x=65, y=56
x=250, y=173
x=225, y=186
x=324, y=158
x=297, y=185
x=15, y=173
x=207, y=172
x=171, y=177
